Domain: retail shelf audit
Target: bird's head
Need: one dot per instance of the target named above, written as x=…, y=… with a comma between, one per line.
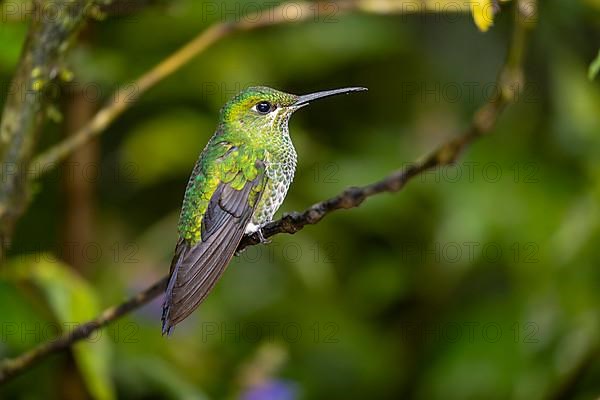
x=264, y=109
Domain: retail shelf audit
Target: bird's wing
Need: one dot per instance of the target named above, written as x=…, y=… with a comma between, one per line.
x=196, y=267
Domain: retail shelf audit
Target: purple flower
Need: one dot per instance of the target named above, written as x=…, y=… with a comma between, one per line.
x=272, y=390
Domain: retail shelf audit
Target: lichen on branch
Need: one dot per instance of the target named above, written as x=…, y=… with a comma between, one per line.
x=53, y=25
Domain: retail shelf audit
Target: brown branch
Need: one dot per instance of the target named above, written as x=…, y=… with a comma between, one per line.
x=289, y=223
x=484, y=120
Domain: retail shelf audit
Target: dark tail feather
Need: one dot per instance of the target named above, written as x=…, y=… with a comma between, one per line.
x=167, y=327
x=196, y=267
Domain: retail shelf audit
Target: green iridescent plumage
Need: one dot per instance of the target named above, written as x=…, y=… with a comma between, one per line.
x=238, y=183
x=224, y=162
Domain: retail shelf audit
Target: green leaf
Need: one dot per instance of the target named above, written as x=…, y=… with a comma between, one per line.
x=594, y=67
x=72, y=301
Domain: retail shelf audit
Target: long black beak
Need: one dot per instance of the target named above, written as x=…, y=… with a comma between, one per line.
x=307, y=98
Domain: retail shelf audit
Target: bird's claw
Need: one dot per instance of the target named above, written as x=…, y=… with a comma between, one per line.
x=261, y=237
x=262, y=240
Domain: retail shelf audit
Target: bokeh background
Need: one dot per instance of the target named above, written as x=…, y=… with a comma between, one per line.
x=478, y=281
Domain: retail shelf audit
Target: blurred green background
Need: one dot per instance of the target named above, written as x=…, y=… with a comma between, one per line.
x=478, y=281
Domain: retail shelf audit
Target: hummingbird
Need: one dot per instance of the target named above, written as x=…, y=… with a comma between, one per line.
x=239, y=181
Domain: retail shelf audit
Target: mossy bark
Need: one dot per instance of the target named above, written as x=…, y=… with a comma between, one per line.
x=53, y=26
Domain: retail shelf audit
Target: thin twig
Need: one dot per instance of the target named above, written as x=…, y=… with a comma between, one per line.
x=484, y=120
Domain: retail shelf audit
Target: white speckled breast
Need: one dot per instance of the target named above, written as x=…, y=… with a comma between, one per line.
x=280, y=171
x=280, y=176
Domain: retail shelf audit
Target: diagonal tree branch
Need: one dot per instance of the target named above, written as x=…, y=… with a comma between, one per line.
x=289, y=223
x=510, y=83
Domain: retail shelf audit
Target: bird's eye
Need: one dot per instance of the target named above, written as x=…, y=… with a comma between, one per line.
x=264, y=107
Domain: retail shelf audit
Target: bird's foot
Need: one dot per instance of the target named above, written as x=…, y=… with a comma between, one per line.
x=240, y=252
x=261, y=237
